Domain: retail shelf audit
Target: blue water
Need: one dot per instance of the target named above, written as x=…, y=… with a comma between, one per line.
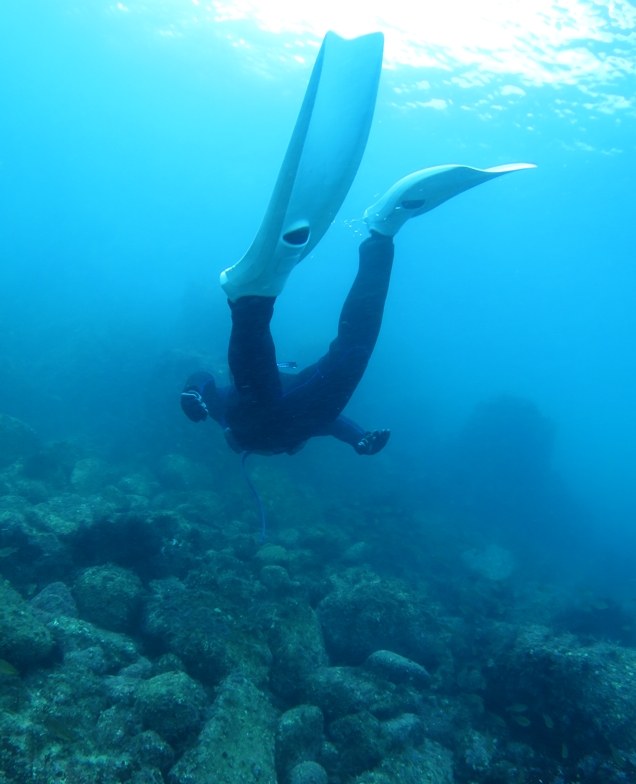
x=138, y=150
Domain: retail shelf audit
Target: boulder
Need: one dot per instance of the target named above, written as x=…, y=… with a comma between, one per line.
x=171, y=704
x=109, y=596
x=24, y=639
x=299, y=737
x=237, y=743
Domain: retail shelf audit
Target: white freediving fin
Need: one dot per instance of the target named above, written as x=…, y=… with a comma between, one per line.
x=321, y=161
x=424, y=190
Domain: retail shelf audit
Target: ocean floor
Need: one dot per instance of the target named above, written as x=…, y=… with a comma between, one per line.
x=147, y=636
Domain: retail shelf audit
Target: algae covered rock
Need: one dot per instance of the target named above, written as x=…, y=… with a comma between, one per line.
x=90, y=475
x=171, y=704
x=203, y=631
x=356, y=554
x=30, y=553
x=168, y=662
x=147, y=776
x=33, y=491
x=298, y=650
x=299, y=737
x=109, y=596
x=430, y=763
x=272, y=554
x=52, y=464
x=54, y=600
x=275, y=579
x=396, y=668
x=74, y=636
x=17, y=440
x=588, y=690
x=341, y=690
x=24, y=640
x=177, y=472
x=404, y=730
x=237, y=743
x=152, y=751
x=308, y=773
x=360, y=742
x=138, y=485
x=374, y=615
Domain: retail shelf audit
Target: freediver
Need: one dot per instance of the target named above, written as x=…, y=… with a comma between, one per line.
x=265, y=410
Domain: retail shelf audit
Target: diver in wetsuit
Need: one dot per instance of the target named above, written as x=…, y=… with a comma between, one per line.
x=271, y=412
x=268, y=411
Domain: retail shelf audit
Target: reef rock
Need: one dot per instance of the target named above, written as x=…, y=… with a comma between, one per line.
x=396, y=668
x=176, y=472
x=430, y=763
x=171, y=704
x=299, y=737
x=90, y=475
x=275, y=579
x=587, y=690
x=374, y=615
x=24, y=640
x=53, y=600
x=152, y=751
x=109, y=596
x=339, y=691
x=272, y=554
x=75, y=637
x=298, y=650
x=402, y=731
x=360, y=742
x=308, y=773
x=17, y=440
x=237, y=743
x=204, y=631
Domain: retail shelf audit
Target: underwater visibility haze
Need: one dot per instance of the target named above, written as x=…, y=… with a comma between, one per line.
x=461, y=606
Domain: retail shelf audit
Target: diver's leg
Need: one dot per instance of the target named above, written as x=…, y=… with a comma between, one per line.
x=320, y=392
x=251, y=353
x=361, y=315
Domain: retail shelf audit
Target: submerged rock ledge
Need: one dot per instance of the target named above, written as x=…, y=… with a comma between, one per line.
x=146, y=637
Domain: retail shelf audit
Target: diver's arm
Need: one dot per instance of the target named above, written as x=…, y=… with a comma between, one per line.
x=201, y=397
x=345, y=430
x=365, y=442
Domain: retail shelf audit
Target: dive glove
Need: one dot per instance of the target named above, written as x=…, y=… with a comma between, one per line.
x=372, y=442
x=192, y=402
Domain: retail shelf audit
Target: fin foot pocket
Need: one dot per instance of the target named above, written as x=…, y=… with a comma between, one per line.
x=424, y=190
x=297, y=236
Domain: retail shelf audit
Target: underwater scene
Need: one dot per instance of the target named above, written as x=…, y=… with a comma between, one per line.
x=361, y=510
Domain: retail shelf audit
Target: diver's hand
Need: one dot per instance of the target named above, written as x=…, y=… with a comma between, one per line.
x=192, y=402
x=193, y=406
x=372, y=442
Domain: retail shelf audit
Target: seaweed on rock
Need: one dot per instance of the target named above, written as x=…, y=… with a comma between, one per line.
x=156, y=642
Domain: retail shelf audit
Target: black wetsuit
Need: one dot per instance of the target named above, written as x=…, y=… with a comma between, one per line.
x=268, y=411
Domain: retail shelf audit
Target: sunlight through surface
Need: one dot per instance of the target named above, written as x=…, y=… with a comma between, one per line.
x=590, y=44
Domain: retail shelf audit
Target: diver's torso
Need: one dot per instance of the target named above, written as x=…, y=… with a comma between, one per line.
x=269, y=429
